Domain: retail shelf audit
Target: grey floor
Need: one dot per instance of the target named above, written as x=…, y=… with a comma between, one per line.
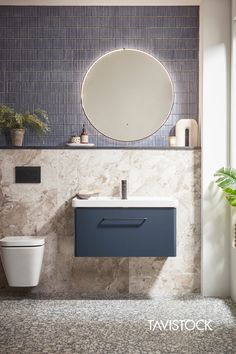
x=115, y=326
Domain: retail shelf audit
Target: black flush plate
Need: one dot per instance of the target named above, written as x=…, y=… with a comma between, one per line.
x=28, y=174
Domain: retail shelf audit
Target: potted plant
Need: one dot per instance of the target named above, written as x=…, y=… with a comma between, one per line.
x=226, y=180
x=17, y=123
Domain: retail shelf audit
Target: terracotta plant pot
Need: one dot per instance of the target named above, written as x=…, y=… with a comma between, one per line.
x=17, y=137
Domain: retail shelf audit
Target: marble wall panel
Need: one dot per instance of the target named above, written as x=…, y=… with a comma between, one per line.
x=45, y=209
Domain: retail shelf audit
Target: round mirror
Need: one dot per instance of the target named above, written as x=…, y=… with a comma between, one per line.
x=127, y=95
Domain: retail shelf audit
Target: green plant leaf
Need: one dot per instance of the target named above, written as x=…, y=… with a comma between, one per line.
x=38, y=120
x=227, y=182
x=231, y=200
x=7, y=117
x=227, y=178
x=230, y=191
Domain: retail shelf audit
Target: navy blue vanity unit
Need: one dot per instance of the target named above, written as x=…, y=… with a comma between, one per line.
x=124, y=229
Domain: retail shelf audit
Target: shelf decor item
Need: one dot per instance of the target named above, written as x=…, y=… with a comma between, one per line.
x=75, y=139
x=172, y=140
x=17, y=123
x=187, y=133
x=17, y=136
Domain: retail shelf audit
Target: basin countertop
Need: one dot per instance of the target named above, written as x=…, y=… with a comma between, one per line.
x=131, y=202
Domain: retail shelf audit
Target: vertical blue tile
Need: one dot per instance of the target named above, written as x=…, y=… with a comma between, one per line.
x=46, y=51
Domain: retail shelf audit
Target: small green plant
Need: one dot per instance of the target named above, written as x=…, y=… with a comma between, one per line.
x=226, y=180
x=38, y=120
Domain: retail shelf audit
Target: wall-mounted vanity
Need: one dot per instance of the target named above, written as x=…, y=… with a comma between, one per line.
x=135, y=227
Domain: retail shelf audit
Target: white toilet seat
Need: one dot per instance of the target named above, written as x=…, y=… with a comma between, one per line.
x=21, y=241
x=22, y=258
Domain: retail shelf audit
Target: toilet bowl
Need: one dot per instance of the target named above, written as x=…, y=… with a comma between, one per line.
x=22, y=258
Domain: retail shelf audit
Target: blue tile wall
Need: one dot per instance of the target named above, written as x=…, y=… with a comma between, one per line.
x=46, y=51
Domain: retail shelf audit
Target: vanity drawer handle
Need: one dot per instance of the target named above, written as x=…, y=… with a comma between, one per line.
x=122, y=222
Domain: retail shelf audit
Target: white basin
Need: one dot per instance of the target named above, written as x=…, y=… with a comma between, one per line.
x=131, y=202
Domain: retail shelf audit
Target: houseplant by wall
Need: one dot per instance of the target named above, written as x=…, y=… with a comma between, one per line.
x=226, y=180
x=17, y=123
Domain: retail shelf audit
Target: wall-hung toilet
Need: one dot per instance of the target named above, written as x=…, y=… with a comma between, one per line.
x=22, y=258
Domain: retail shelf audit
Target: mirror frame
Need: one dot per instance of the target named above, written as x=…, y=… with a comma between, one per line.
x=91, y=67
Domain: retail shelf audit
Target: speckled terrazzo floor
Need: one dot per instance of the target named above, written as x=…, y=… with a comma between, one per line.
x=115, y=326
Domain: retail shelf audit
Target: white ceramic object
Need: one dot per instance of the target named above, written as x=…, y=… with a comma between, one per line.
x=181, y=126
x=79, y=145
x=75, y=140
x=84, y=194
x=134, y=202
x=22, y=258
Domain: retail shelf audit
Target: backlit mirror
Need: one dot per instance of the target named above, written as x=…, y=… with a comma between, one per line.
x=127, y=95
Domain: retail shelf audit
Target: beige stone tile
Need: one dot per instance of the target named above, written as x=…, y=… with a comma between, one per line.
x=45, y=209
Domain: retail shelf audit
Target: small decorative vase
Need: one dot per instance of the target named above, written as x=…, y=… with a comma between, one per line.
x=17, y=137
x=190, y=127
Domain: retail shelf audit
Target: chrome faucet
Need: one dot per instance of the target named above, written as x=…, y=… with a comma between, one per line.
x=124, y=189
